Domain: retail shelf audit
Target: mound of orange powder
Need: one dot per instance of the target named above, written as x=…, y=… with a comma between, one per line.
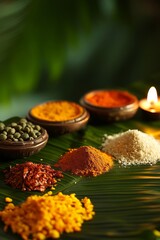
x=85, y=161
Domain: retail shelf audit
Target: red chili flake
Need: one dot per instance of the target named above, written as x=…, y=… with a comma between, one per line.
x=32, y=176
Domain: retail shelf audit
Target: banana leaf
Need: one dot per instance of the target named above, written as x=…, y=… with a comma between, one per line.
x=126, y=199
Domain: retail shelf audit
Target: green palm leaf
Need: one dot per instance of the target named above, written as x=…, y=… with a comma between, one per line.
x=126, y=200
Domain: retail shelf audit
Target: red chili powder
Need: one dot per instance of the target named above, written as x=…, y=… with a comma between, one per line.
x=85, y=161
x=110, y=98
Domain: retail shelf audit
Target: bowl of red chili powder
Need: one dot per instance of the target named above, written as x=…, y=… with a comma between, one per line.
x=110, y=105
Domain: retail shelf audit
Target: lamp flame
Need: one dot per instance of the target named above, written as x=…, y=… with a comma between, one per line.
x=152, y=96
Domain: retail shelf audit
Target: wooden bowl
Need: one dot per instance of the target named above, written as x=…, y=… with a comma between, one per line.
x=111, y=113
x=55, y=128
x=12, y=150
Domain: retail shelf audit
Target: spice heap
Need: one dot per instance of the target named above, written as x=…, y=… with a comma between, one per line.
x=42, y=217
x=20, y=131
x=57, y=111
x=85, y=161
x=32, y=176
x=112, y=98
x=132, y=147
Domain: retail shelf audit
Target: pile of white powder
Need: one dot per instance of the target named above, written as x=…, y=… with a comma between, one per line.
x=132, y=147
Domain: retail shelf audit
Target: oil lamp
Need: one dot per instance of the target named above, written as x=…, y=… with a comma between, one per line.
x=151, y=105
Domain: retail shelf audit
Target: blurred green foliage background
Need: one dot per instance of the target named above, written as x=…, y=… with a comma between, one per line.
x=60, y=49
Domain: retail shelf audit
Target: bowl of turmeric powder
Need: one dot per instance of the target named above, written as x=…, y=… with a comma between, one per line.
x=110, y=105
x=59, y=117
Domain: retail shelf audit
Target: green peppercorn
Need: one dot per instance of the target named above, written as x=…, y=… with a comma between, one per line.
x=21, y=139
x=30, y=123
x=23, y=124
x=13, y=124
x=17, y=135
x=23, y=120
x=15, y=139
x=11, y=131
x=7, y=128
x=37, y=127
x=38, y=134
x=25, y=136
x=27, y=129
x=19, y=131
x=34, y=135
x=3, y=137
x=35, y=131
x=31, y=138
x=10, y=136
x=2, y=126
x=31, y=130
x=18, y=128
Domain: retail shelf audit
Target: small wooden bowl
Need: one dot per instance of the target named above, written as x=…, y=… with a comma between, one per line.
x=111, y=114
x=12, y=150
x=55, y=128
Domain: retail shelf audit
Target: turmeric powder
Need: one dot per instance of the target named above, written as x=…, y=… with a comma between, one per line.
x=57, y=111
x=43, y=217
x=8, y=200
x=85, y=161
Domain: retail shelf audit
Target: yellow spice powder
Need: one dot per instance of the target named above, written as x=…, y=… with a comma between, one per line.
x=8, y=200
x=57, y=111
x=47, y=216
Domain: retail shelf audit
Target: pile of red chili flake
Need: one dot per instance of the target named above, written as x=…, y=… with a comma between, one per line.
x=30, y=176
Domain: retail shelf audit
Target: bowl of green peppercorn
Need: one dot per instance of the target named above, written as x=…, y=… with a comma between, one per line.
x=21, y=138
